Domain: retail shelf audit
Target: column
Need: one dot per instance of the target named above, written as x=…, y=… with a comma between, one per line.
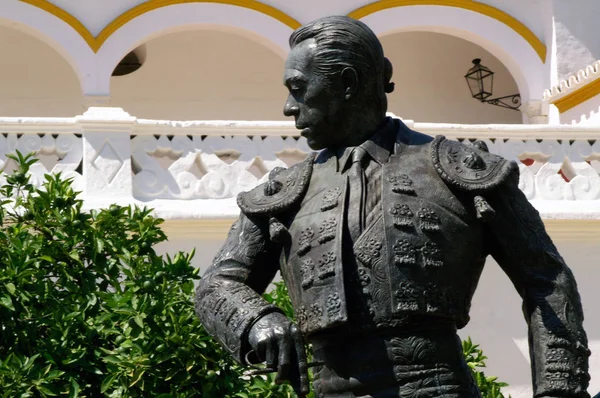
x=107, y=154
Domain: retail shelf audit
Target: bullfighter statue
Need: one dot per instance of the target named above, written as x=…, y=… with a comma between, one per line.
x=381, y=238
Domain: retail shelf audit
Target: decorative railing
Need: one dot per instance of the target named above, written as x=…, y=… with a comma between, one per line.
x=195, y=169
x=200, y=160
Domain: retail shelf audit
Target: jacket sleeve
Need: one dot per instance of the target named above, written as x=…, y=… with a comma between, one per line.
x=228, y=297
x=551, y=302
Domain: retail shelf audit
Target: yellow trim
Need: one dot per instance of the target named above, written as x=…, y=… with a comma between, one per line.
x=201, y=229
x=96, y=43
x=492, y=12
x=154, y=4
x=216, y=230
x=65, y=17
x=578, y=96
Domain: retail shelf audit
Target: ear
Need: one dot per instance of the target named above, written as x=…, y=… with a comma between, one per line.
x=350, y=82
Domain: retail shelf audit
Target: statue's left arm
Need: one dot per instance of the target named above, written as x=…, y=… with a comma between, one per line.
x=518, y=241
x=551, y=302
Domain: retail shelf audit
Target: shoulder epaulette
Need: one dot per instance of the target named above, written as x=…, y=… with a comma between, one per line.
x=469, y=168
x=285, y=188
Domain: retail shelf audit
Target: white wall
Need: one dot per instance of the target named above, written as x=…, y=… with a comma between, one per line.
x=532, y=13
x=204, y=75
x=34, y=79
x=577, y=40
x=429, y=71
x=95, y=15
x=94, y=69
x=587, y=112
x=221, y=75
x=206, y=249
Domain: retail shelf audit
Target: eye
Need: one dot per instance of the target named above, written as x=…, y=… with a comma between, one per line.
x=296, y=90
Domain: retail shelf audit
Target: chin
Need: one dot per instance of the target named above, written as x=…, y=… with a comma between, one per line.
x=314, y=146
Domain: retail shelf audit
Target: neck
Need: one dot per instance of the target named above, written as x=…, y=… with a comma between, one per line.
x=362, y=127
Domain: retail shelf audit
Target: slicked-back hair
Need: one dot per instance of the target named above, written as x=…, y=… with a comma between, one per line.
x=344, y=42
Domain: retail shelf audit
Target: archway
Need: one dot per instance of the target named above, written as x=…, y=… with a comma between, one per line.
x=261, y=28
x=36, y=80
x=511, y=48
x=204, y=74
x=430, y=87
x=56, y=34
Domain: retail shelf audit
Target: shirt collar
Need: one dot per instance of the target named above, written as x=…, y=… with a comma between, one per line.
x=379, y=146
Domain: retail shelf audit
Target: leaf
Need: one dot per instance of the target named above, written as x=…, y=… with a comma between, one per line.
x=189, y=365
x=111, y=359
x=54, y=374
x=46, y=391
x=10, y=287
x=6, y=301
x=137, y=376
x=75, y=389
x=107, y=382
x=139, y=321
x=99, y=245
x=171, y=374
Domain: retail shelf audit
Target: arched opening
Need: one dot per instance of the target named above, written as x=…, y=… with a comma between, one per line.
x=517, y=47
x=35, y=79
x=131, y=62
x=429, y=71
x=203, y=75
x=259, y=28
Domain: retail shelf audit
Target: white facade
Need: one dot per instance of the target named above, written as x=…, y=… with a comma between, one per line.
x=202, y=120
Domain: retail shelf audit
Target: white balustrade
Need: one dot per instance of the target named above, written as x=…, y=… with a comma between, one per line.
x=56, y=142
x=114, y=157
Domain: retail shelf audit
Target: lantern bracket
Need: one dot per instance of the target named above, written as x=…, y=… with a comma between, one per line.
x=480, y=80
x=508, y=101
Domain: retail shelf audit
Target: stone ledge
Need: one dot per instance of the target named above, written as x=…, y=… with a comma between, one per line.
x=217, y=229
x=211, y=218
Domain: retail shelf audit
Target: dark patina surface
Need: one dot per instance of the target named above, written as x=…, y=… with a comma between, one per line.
x=381, y=238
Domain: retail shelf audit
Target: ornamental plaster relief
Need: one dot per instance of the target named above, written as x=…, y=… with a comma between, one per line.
x=196, y=169
x=57, y=153
x=573, y=82
x=207, y=167
x=202, y=168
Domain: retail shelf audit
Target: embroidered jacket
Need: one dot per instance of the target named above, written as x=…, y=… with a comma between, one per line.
x=445, y=207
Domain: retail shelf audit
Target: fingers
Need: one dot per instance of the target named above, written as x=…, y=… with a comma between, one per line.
x=279, y=343
x=275, y=347
x=285, y=348
x=271, y=354
x=300, y=354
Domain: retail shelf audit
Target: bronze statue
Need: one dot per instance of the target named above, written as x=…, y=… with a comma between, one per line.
x=381, y=238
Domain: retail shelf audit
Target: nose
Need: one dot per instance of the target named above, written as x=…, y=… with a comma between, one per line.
x=291, y=107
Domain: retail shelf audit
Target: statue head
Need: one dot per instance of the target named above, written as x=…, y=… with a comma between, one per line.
x=337, y=77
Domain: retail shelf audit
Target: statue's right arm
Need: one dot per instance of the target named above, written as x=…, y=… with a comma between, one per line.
x=228, y=297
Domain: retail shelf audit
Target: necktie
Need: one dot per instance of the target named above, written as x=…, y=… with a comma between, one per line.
x=356, y=198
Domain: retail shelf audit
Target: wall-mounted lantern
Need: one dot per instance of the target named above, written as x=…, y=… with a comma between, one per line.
x=481, y=83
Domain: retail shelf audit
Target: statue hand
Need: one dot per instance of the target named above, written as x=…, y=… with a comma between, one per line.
x=278, y=342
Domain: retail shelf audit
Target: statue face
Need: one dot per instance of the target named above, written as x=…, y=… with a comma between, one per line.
x=316, y=103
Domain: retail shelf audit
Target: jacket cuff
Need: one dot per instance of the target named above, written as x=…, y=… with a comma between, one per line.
x=227, y=313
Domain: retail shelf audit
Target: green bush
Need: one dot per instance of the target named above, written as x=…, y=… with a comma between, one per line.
x=88, y=309
x=489, y=386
